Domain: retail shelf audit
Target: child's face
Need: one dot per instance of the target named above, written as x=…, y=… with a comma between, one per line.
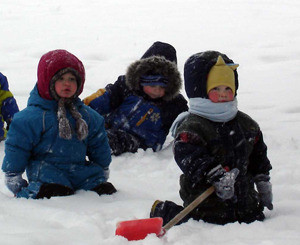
x=220, y=94
x=154, y=92
x=66, y=85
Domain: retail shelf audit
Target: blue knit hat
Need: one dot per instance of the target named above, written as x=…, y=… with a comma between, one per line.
x=154, y=80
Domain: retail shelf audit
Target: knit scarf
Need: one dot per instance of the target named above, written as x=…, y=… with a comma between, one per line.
x=216, y=112
x=64, y=126
x=65, y=130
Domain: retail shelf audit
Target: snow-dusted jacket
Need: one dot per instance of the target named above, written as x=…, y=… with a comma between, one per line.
x=125, y=105
x=33, y=139
x=8, y=105
x=201, y=145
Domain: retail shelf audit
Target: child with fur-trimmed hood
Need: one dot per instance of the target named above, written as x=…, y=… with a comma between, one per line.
x=218, y=145
x=139, y=108
x=52, y=137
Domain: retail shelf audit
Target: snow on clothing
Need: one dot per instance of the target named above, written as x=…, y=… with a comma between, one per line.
x=149, y=120
x=33, y=143
x=8, y=106
x=127, y=108
x=201, y=144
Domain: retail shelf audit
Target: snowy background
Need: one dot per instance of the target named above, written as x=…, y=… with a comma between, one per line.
x=263, y=36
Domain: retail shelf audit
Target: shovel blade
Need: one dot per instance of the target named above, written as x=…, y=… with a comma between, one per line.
x=139, y=229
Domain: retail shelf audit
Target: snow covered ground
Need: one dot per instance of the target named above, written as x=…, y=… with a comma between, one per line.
x=262, y=36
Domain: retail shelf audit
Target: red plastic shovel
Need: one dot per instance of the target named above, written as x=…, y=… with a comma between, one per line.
x=140, y=228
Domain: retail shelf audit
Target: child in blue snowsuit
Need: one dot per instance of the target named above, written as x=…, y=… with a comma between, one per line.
x=8, y=106
x=51, y=138
x=139, y=108
x=218, y=145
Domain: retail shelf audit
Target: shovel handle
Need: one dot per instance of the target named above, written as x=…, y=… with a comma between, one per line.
x=188, y=209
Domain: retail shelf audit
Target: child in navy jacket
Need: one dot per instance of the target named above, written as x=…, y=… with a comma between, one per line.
x=139, y=108
x=8, y=106
x=218, y=145
x=60, y=142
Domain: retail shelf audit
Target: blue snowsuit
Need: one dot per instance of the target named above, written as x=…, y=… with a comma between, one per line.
x=147, y=119
x=131, y=115
x=8, y=106
x=33, y=144
x=132, y=118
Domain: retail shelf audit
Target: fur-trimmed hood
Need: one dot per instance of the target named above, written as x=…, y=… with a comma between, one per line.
x=155, y=65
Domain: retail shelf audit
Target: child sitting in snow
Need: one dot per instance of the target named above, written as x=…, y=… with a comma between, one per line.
x=216, y=144
x=139, y=108
x=8, y=106
x=52, y=137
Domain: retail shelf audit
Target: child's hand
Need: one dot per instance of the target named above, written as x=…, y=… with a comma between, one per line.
x=223, y=181
x=15, y=182
x=264, y=189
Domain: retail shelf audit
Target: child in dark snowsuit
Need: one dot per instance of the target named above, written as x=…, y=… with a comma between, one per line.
x=8, y=106
x=139, y=108
x=216, y=144
x=54, y=134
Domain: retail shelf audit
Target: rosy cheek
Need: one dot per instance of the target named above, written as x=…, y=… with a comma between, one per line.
x=213, y=96
x=230, y=96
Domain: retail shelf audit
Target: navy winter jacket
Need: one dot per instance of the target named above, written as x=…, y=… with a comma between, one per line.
x=134, y=112
x=8, y=106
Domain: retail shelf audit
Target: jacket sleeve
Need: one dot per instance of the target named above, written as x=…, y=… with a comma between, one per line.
x=105, y=100
x=98, y=150
x=9, y=109
x=258, y=160
x=8, y=104
x=171, y=110
x=24, y=133
x=192, y=156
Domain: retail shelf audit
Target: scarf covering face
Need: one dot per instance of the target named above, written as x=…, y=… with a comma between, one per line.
x=216, y=112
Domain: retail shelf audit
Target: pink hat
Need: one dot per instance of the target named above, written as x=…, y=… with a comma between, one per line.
x=53, y=61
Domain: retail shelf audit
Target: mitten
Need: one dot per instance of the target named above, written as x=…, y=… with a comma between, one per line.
x=15, y=182
x=264, y=188
x=223, y=181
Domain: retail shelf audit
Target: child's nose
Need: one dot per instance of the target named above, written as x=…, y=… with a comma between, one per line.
x=158, y=89
x=67, y=81
x=223, y=93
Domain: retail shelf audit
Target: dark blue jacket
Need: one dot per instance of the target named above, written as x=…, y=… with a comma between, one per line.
x=8, y=106
x=136, y=113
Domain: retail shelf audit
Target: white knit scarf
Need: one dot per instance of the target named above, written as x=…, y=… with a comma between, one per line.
x=216, y=112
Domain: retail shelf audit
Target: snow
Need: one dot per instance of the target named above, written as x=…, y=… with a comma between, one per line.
x=262, y=36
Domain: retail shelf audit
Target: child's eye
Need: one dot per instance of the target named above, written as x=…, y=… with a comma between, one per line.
x=227, y=88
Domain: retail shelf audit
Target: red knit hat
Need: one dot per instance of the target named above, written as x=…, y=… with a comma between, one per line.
x=53, y=61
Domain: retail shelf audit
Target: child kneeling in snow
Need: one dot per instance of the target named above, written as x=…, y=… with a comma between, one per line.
x=218, y=145
x=52, y=137
x=8, y=106
x=140, y=107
